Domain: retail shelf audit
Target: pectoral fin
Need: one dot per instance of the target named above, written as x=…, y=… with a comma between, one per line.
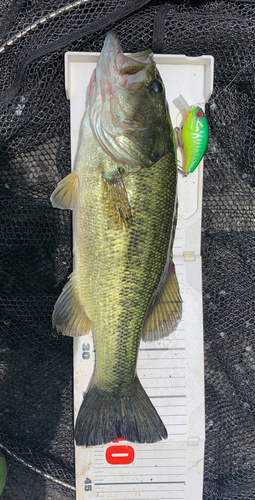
x=69, y=315
x=66, y=193
x=166, y=309
x=116, y=201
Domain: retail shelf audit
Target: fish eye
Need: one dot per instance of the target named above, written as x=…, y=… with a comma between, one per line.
x=200, y=114
x=157, y=87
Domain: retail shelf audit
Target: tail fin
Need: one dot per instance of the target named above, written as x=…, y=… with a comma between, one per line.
x=104, y=417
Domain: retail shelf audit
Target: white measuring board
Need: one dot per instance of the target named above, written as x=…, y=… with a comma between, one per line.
x=171, y=370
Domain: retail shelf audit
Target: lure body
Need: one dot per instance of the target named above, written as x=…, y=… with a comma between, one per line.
x=195, y=135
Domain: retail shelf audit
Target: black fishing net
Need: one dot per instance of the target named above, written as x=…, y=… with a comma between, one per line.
x=36, y=415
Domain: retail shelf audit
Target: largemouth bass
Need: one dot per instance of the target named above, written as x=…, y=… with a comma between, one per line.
x=123, y=196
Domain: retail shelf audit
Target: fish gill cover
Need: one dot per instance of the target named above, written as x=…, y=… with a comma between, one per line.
x=36, y=431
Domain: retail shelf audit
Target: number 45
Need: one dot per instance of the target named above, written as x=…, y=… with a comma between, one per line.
x=88, y=485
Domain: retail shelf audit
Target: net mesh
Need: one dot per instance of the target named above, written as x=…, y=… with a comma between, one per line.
x=36, y=431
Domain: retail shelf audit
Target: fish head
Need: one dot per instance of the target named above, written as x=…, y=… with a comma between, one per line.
x=127, y=107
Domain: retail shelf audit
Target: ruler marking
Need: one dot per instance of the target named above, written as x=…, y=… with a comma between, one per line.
x=171, y=457
x=163, y=349
x=143, y=492
x=138, y=459
x=161, y=459
x=165, y=450
x=166, y=378
x=101, y=470
x=166, y=397
x=141, y=483
x=154, y=459
x=151, y=458
x=178, y=434
x=173, y=415
x=161, y=498
x=167, y=387
x=173, y=406
x=131, y=470
x=165, y=368
x=159, y=359
x=170, y=414
x=152, y=386
x=141, y=370
x=148, y=387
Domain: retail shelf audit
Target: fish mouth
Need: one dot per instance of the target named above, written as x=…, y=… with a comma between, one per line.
x=129, y=63
x=106, y=64
x=114, y=65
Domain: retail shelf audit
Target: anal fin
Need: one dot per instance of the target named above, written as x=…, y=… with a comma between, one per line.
x=166, y=308
x=69, y=315
x=66, y=193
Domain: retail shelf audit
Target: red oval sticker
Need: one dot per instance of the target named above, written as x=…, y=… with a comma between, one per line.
x=120, y=455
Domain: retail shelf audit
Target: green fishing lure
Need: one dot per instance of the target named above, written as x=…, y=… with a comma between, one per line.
x=195, y=135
